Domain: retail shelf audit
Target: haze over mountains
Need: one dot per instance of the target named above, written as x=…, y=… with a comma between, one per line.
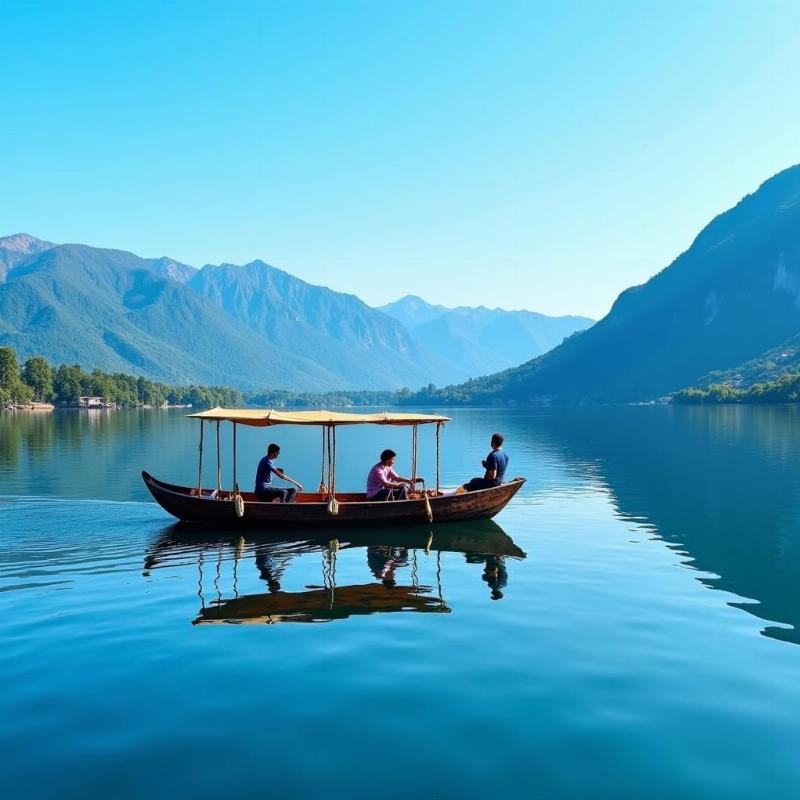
x=483, y=340
x=731, y=297
x=253, y=326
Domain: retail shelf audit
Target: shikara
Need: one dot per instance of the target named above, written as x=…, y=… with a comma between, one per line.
x=326, y=509
x=311, y=509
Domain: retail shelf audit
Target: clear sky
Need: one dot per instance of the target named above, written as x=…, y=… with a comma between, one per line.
x=540, y=155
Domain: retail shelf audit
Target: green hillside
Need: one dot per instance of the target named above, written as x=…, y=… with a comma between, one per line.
x=767, y=367
x=350, y=344
x=111, y=310
x=773, y=377
x=252, y=327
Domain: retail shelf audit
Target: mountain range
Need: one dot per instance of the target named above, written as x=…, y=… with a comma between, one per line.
x=728, y=307
x=483, y=340
x=348, y=344
x=250, y=326
x=733, y=296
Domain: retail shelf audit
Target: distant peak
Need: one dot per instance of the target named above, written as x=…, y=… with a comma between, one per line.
x=251, y=265
x=24, y=243
x=411, y=301
x=259, y=264
x=173, y=269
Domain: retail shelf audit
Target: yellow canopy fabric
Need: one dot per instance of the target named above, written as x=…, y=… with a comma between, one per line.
x=264, y=417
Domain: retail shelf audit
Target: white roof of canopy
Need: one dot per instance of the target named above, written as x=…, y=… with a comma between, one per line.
x=264, y=417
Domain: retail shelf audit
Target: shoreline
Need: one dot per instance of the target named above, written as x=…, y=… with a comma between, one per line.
x=48, y=407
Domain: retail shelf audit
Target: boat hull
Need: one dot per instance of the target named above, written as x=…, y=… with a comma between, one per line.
x=311, y=510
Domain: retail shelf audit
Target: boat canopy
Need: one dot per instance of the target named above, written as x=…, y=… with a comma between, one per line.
x=264, y=417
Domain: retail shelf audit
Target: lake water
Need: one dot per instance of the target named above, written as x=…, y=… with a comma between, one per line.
x=628, y=627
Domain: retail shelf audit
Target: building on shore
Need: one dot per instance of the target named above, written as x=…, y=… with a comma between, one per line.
x=94, y=402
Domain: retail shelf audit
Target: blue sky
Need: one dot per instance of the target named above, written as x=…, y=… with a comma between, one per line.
x=518, y=154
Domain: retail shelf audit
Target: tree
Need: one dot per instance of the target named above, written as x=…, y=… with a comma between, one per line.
x=38, y=374
x=99, y=384
x=141, y=390
x=68, y=383
x=12, y=389
x=9, y=368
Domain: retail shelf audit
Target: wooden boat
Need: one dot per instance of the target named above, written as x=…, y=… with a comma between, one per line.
x=323, y=509
x=310, y=509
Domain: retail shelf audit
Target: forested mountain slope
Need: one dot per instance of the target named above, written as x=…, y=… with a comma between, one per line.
x=734, y=294
x=251, y=327
x=352, y=344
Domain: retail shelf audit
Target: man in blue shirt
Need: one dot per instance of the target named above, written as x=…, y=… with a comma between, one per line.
x=495, y=465
x=266, y=469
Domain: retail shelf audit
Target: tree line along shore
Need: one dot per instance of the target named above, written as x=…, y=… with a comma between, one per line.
x=36, y=381
x=783, y=389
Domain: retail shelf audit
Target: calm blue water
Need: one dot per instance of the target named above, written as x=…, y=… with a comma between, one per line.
x=628, y=628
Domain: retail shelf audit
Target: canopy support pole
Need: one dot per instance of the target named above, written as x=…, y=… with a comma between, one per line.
x=322, y=489
x=219, y=465
x=235, y=485
x=438, y=431
x=328, y=436
x=413, y=457
x=333, y=475
x=333, y=504
x=238, y=500
x=200, y=461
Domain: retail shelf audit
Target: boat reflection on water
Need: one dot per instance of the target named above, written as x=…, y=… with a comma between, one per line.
x=388, y=555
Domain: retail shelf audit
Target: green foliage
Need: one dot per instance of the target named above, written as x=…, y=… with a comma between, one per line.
x=38, y=374
x=9, y=369
x=68, y=383
x=12, y=388
x=689, y=397
x=277, y=398
x=64, y=385
x=785, y=389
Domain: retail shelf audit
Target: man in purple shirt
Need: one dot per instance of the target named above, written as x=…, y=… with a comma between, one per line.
x=383, y=483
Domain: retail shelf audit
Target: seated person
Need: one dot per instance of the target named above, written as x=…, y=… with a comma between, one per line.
x=266, y=469
x=495, y=465
x=383, y=483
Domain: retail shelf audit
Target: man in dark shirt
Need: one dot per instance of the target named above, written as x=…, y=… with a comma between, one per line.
x=495, y=465
x=266, y=469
